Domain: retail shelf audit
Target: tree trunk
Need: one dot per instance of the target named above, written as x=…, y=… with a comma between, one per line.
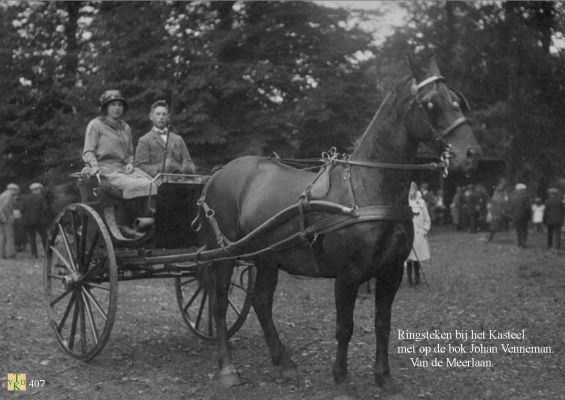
x=70, y=60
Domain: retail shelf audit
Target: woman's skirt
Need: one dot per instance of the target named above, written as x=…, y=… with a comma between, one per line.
x=136, y=184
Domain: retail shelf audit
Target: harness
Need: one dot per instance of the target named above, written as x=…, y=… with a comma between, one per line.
x=340, y=216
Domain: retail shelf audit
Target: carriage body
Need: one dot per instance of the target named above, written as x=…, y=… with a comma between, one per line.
x=174, y=209
x=87, y=255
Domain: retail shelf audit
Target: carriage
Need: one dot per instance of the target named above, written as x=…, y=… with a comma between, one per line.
x=349, y=220
x=87, y=255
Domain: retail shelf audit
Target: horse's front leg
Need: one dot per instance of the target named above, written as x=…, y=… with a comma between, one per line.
x=345, y=295
x=385, y=290
x=221, y=278
x=262, y=300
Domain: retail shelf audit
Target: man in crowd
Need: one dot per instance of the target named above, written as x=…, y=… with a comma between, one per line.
x=429, y=198
x=36, y=217
x=521, y=211
x=7, y=200
x=161, y=150
x=553, y=218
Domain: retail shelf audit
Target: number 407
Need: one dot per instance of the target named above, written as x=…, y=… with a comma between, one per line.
x=35, y=383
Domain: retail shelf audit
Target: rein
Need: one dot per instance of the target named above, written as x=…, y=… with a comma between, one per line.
x=340, y=216
x=333, y=157
x=367, y=164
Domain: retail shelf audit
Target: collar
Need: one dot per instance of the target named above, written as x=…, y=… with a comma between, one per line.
x=117, y=125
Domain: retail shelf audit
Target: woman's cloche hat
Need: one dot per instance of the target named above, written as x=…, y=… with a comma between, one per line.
x=111, y=95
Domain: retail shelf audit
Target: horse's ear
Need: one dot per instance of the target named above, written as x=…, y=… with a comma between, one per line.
x=415, y=68
x=422, y=69
x=433, y=69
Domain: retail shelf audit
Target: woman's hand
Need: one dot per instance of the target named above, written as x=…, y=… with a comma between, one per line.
x=129, y=168
x=93, y=170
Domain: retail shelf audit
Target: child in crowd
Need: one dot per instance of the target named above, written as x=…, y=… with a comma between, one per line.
x=538, y=208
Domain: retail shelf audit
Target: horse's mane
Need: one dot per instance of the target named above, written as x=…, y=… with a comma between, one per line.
x=388, y=105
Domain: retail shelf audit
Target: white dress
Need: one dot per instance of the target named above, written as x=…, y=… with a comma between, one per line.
x=422, y=224
x=537, y=213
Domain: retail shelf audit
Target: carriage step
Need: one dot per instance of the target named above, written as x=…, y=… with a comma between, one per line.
x=143, y=224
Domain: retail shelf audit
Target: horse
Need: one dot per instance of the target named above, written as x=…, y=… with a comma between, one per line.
x=369, y=186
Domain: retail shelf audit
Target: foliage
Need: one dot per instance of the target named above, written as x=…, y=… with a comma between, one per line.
x=243, y=78
x=257, y=77
x=501, y=56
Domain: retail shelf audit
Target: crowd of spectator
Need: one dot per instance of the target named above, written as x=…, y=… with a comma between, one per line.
x=24, y=218
x=473, y=210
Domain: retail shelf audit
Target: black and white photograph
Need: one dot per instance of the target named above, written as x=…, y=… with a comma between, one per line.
x=282, y=200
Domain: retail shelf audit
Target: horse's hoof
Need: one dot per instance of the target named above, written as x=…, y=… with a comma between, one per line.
x=387, y=387
x=346, y=392
x=229, y=377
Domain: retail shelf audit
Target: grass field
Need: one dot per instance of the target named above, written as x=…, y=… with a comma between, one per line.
x=471, y=286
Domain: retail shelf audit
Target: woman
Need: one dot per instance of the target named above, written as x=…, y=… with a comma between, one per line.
x=498, y=209
x=422, y=224
x=108, y=149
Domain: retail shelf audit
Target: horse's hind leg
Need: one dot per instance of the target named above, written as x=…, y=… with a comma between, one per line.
x=385, y=290
x=265, y=285
x=345, y=295
x=222, y=277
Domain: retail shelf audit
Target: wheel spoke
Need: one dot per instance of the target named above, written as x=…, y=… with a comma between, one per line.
x=210, y=317
x=59, y=298
x=240, y=287
x=94, y=271
x=83, y=236
x=200, y=309
x=188, y=281
x=74, y=325
x=91, y=249
x=97, y=286
x=61, y=277
x=66, y=313
x=60, y=257
x=82, y=324
x=67, y=246
x=234, y=307
x=192, y=299
x=75, y=237
x=91, y=322
x=96, y=304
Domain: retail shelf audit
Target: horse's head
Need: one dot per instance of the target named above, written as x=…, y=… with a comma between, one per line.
x=435, y=117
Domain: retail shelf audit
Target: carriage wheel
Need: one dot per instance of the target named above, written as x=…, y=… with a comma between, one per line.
x=194, y=296
x=80, y=281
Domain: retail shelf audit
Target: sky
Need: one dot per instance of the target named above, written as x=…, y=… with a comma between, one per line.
x=381, y=26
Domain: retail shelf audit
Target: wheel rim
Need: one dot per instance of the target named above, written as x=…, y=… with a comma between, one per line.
x=80, y=281
x=195, y=297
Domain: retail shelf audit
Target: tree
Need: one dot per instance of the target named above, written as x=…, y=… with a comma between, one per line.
x=245, y=78
x=40, y=107
x=501, y=56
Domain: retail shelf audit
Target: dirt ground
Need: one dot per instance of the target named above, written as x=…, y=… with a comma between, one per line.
x=473, y=285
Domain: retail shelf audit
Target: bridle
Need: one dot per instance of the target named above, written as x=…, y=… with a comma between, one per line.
x=332, y=157
x=439, y=136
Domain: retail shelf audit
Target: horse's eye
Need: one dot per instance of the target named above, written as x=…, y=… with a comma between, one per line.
x=430, y=105
x=456, y=105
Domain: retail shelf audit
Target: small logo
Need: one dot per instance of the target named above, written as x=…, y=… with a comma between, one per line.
x=16, y=382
